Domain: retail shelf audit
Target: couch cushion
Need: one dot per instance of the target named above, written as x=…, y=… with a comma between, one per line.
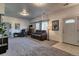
x=40, y=31
x=36, y=34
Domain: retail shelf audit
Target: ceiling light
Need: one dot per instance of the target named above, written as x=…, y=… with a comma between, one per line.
x=24, y=13
x=40, y=4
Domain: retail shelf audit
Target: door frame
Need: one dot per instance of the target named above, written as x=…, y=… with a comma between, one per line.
x=75, y=17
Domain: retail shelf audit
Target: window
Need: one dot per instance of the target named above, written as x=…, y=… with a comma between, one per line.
x=70, y=21
x=37, y=26
x=44, y=25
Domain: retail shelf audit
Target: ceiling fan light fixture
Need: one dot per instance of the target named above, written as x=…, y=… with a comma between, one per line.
x=24, y=13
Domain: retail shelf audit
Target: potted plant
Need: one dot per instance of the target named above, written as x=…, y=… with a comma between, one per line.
x=2, y=31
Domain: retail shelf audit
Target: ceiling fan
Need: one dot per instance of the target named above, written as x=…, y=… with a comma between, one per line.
x=24, y=12
x=66, y=4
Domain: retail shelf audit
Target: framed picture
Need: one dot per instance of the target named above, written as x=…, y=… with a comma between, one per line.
x=55, y=25
x=17, y=26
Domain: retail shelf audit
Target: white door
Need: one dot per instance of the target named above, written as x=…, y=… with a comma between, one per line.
x=69, y=31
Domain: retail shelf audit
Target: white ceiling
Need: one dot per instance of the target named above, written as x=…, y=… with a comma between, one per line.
x=13, y=9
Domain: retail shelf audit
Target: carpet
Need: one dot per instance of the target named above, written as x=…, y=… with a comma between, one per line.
x=28, y=47
x=46, y=42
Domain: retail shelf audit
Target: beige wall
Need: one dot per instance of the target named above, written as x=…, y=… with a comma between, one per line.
x=55, y=35
x=2, y=8
x=68, y=12
x=24, y=23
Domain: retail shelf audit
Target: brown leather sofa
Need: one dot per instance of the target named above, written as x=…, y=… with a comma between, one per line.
x=40, y=35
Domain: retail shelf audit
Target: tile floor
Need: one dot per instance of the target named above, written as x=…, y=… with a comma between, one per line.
x=72, y=49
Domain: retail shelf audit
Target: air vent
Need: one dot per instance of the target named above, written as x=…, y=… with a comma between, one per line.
x=66, y=4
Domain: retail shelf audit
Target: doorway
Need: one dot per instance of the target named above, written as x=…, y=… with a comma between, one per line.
x=69, y=31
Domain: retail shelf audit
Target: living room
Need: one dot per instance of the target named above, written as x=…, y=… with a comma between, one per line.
x=39, y=28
